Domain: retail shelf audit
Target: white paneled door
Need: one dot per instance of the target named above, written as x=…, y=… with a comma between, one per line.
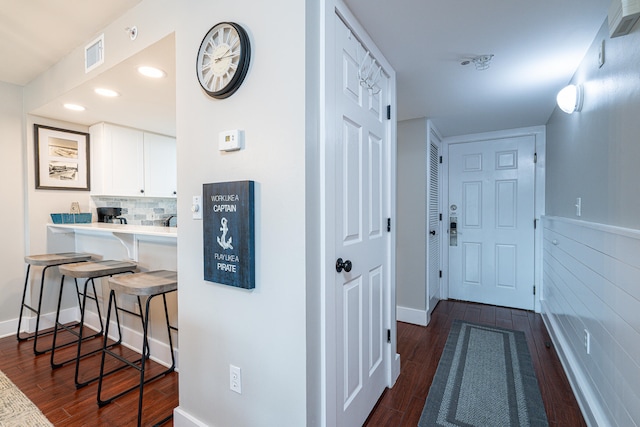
x=362, y=240
x=491, y=200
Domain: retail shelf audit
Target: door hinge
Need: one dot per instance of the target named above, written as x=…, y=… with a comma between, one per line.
x=388, y=335
x=389, y=225
x=535, y=157
x=534, y=289
x=535, y=223
x=440, y=217
x=388, y=112
x=440, y=273
x=440, y=159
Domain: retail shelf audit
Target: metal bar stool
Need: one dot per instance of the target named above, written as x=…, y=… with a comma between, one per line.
x=46, y=261
x=89, y=271
x=150, y=284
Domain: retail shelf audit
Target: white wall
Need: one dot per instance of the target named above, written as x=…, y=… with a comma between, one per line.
x=411, y=222
x=591, y=274
x=12, y=215
x=262, y=331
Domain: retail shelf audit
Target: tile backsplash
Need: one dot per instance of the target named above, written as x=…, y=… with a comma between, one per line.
x=140, y=211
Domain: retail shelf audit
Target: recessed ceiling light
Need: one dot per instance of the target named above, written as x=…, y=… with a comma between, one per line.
x=106, y=92
x=155, y=73
x=74, y=107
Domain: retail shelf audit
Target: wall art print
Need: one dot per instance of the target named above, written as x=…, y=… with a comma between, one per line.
x=62, y=159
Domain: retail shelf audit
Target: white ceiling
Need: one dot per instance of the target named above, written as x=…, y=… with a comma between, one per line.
x=537, y=46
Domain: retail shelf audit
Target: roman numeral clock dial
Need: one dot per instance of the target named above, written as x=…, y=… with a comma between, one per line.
x=223, y=59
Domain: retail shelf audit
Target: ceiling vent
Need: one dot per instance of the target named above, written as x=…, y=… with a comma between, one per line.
x=623, y=15
x=94, y=54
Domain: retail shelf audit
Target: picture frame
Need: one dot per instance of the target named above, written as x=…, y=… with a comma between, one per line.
x=62, y=159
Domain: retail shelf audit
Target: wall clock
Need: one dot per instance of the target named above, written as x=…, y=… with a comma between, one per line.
x=223, y=59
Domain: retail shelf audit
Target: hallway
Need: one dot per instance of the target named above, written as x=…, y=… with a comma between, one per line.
x=420, y=349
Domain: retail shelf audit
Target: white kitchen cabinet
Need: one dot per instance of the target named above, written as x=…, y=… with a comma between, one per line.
x=132, y=162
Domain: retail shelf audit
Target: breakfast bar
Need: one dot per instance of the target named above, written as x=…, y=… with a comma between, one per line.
x=150, y=247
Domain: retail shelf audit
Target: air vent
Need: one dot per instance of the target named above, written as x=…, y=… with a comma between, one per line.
x=94, y=54
x=623, y=15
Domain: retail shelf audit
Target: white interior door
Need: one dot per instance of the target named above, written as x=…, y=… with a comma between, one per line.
x=362, y=204
x=433, y=228
x=491, y=198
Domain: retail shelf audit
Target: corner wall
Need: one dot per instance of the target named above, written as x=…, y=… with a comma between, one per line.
x=589, y=284
x=262, y=331
x=411, y=279
x=12, y=187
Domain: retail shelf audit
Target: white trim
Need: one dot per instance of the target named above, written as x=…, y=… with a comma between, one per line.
x=184, y=419
x=133, y=339
x=412, y=315
x=9, y=327
x=588, y=402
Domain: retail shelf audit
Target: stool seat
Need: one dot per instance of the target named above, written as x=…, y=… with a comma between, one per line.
x=56, y=259
x=45, y=261
x=145, y=284
x=94, y=269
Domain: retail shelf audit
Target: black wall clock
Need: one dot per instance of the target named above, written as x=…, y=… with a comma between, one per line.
x=223, y=59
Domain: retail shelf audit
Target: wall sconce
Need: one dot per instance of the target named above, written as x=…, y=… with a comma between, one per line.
x=570, y=98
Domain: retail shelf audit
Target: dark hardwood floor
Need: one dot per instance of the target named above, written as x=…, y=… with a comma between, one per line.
x=54, y=391
x=420, y=349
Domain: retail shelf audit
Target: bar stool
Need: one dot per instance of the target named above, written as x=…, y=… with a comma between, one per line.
x=149, y=284
x=90, y=271
x=46, y=261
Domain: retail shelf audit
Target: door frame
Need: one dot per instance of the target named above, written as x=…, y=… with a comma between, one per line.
x=539, y=134
x=326, y=154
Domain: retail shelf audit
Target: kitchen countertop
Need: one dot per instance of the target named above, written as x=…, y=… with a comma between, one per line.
x=100, y=227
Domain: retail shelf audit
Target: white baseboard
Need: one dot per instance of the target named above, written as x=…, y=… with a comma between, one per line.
x=589, y=404
x=411, y=315
x=9, y=327
x=133, y=339
x=184, y=419
x=130, y=338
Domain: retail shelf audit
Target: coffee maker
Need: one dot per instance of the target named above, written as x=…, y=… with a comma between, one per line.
x=111, y=215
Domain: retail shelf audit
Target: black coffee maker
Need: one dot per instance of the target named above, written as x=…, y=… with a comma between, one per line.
x=111, y=215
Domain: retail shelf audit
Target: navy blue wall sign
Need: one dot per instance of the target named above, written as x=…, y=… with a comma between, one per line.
x=229, y=233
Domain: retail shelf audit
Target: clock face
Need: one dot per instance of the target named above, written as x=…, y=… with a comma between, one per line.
x=223, y=59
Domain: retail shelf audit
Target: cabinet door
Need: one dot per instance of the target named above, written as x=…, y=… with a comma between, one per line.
x=160, y=169
x=127, y=173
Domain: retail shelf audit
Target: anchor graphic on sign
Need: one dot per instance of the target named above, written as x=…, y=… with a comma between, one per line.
x=225, y=244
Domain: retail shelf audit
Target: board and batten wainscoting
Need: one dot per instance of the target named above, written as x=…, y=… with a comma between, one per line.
x=592, y=286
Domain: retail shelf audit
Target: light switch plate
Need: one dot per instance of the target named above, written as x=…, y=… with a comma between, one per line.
x=196, y=207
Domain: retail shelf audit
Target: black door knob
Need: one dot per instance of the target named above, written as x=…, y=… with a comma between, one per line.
x=432, y=232
x=343, y=265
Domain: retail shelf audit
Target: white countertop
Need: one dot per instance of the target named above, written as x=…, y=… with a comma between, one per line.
x=101, y=227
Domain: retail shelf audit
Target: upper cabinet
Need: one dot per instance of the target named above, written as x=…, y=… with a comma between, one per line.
x=132, y=162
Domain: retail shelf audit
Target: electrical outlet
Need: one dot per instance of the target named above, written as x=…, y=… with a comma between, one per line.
x=587, y=341
x=235, y=379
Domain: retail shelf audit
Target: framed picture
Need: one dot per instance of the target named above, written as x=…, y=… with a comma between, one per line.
x=62, y=159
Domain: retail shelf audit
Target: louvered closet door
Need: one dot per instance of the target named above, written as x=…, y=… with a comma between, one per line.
x=433, y=239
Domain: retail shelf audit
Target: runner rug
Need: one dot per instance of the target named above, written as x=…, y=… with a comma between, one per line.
x=485, y=378
x=16, y=410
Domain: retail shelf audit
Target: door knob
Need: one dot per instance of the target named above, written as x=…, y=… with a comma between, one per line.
x=346, y=265
x=432, y=232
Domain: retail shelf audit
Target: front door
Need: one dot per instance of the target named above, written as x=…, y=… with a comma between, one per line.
x=362, y=240
x=491, y=203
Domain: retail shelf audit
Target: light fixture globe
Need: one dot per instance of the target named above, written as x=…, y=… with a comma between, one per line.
x=570, y=98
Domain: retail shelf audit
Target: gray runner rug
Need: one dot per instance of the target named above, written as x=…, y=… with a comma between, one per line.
x=16, y=410
x=485, y=378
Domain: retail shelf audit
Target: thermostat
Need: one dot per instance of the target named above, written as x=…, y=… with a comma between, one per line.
x=231, y=140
